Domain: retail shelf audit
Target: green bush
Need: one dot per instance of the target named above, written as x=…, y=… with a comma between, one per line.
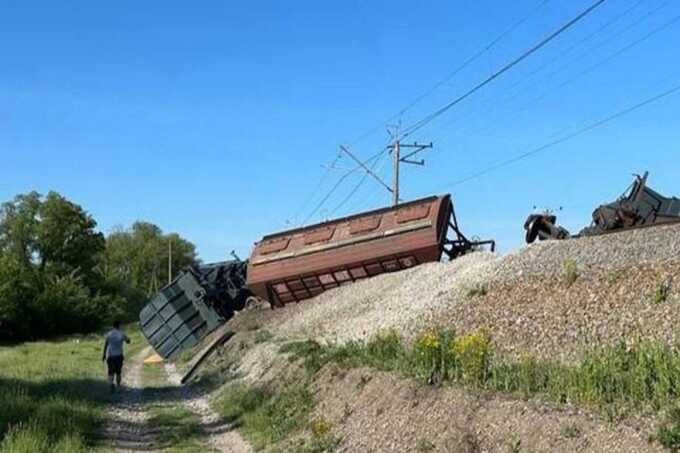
x=634, y=375
x=385, y=350
x=637, y=375
x=17, y=285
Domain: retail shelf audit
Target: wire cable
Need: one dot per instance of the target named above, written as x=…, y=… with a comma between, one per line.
x=418, y=99
x=318, y=186
x=423, y=122
x=605, y=60
x=540, y=97
x=487, y=47
x=335, y=187
x=567, y=137
x=359, y=184
x=562, y=54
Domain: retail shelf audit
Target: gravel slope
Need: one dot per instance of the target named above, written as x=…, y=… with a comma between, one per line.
x=528, y=305
x=412, y=417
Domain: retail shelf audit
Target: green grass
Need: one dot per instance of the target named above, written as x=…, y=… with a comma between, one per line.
x=668, y=433
x=265, y=417
x=641, y=377
x=179, y=428
x=153, y=376
x=54, y=394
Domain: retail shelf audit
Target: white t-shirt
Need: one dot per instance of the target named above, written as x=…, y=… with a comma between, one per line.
x=114, y=343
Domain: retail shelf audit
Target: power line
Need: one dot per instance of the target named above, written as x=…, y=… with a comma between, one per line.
x=411, y=104
x=369, y=197
x=567, y=137
x=565, y=52
x=474, y=57
x=359, y=184
x=599, y=63
x=470, y=60
x=318, y=186
x=420, y=124
x=605, y=60
x=335, y=187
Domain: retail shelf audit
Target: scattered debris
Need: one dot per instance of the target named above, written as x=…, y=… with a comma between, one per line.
x=639, y=206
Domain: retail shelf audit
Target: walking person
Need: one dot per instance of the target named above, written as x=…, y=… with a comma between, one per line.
x=113, y=354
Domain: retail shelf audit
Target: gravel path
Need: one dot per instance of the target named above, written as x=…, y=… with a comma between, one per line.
x=128, y=430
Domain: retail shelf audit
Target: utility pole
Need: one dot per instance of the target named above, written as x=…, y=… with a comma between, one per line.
x=169, y=260
x=397, y=159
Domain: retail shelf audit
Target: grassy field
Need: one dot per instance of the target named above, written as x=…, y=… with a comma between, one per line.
x=53, y=394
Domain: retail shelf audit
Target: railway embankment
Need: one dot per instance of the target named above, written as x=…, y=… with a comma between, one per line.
x=558, y=346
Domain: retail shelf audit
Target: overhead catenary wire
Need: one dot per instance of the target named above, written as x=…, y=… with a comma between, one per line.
x=609, y=58
x=589, y=69
x=471, y=59
x=374, y=195
x=474, y=57
x=526, y=79
x=429, y=118
x=359, y=184
x=317, y=187
x=336, y=186
x=569, y=136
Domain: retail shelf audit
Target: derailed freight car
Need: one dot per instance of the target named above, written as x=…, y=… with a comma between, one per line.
x=294, y=265
x=301, y=263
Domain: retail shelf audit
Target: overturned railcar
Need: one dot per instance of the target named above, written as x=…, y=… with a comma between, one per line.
x=294, y=265
x=194, y=304
x=297, y=264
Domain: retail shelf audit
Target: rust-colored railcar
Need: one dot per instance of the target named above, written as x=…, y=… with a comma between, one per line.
x=301, y=263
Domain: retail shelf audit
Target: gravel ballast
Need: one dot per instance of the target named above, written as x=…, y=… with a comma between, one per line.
x=523, y=298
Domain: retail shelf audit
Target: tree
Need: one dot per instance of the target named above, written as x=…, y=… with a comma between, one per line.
x=67, y=240
x=139, y=255
x=18, y=288
x=49, y=283
x=18, y=227
x=59, y=275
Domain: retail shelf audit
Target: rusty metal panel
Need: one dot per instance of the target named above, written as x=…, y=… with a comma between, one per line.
x=411, y=213
x=335, y=253
x=364, y=224
x=319, y=235
x=274, y=245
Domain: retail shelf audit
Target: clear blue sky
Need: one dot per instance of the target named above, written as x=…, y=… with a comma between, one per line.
x=212, y=119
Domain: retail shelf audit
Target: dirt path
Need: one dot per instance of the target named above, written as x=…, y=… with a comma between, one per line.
x=128, y=429
x=222, y=437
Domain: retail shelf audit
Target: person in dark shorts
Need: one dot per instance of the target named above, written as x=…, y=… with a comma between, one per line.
x=113, y=354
